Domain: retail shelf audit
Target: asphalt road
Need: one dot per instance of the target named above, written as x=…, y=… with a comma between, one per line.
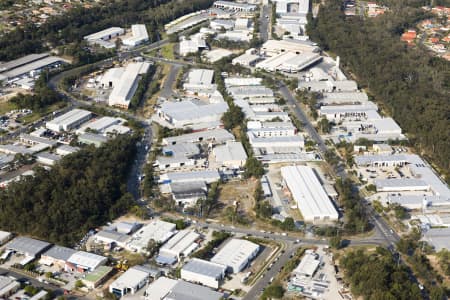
x=263, y=282
x=264, y=26
x=167, y=90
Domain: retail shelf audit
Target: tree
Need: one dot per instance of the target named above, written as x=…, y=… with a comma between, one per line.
x=253, y=168
x=336, y=242
x=324, y=125
x=273, y=291
x=79, y=284
x=232, y=117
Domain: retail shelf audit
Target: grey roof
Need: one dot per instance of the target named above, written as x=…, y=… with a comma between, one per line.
x=400, y=182
x=186, y=187
x=92, y=138
x=204, y=267
x=48, y=155
x=35, y=65
x=439, y=238
x=21, y=61
x=60, y=253
x=27, y=246
x=113, y=235
x=188, y=291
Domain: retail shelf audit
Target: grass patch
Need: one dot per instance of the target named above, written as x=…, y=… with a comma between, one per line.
x=167, y=51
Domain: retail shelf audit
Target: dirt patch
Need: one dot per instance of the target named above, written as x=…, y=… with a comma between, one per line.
x=434, y=262
x=241, y=191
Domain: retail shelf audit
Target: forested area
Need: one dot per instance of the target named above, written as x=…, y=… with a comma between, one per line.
x=81, y=21
x=406, y=82
x=377, y=275
x=83, y=191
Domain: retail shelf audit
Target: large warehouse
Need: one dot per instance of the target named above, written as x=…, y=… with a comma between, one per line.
x=180, y=245
x=231, y=155
x=140, y=35
x=308, y=193
x=203, y=272
x=236, y=255
x=159, y=231
x=130, y=282
x=127, y=85
x=29, y=247
x=69, y=120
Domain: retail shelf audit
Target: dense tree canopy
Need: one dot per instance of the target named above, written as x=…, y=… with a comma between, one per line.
x=81, y=192
x=407, y=82
x=377, y=276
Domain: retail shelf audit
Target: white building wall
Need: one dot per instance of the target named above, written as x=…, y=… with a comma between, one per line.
x=200, y=278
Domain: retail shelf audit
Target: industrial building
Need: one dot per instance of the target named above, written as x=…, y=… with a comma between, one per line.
x=170, y=289
x=274, y=47
x=194, y=44
x=289, y=62
x=310, y=196
x=28, y=66
x=308, y=265
x=236, y=255
x=124, y=90
x=92, y=139
x=199, y=82
x=99, y=125
x=343, y=98
x=339, y=112
x=400, y=185
x=231, y=155
x=112, y=238
x=276, y=144
x=8, y=287
x=97, y=277
x=217, y=54
x=242, y=81
x=47, y=158
x=207, y=176
x=328, y=86
x=203, y=272
x=131, y=281
x=189, y=112
x=102, y=38
x=180, y=245
x=140, y=36
x=246, y=59
x=187, y=193
x=214, y=136
x=235, y=6
x=69, y=120
x=27, y=246
x=159, y=231
x=438, y=238
x=438, y=195
x=82, y=262
x=269, y=129
x=4, y=237
x=57, y=256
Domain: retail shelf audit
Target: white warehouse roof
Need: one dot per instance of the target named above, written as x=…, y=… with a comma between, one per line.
x=308, y=193
x=204, y=267
x=67, y=120
x=86, y=259
x=126, y=87
x=179, y=243
x=201, y=76
x=105, y=34
x=218, y=135
x=157, y=230
x=140, y=35
x=130, y=279
x=236, y=254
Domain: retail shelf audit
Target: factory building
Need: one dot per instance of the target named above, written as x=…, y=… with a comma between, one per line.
x=69, y=120
x=235, y=6
x=231, y=155
x=127, y=85
x=236, y=255
x=82, y=262
x=140, y=36
x=310, y=196
x=180, y=245
x=131, y=281
x=203, y=272
x=159, y=231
